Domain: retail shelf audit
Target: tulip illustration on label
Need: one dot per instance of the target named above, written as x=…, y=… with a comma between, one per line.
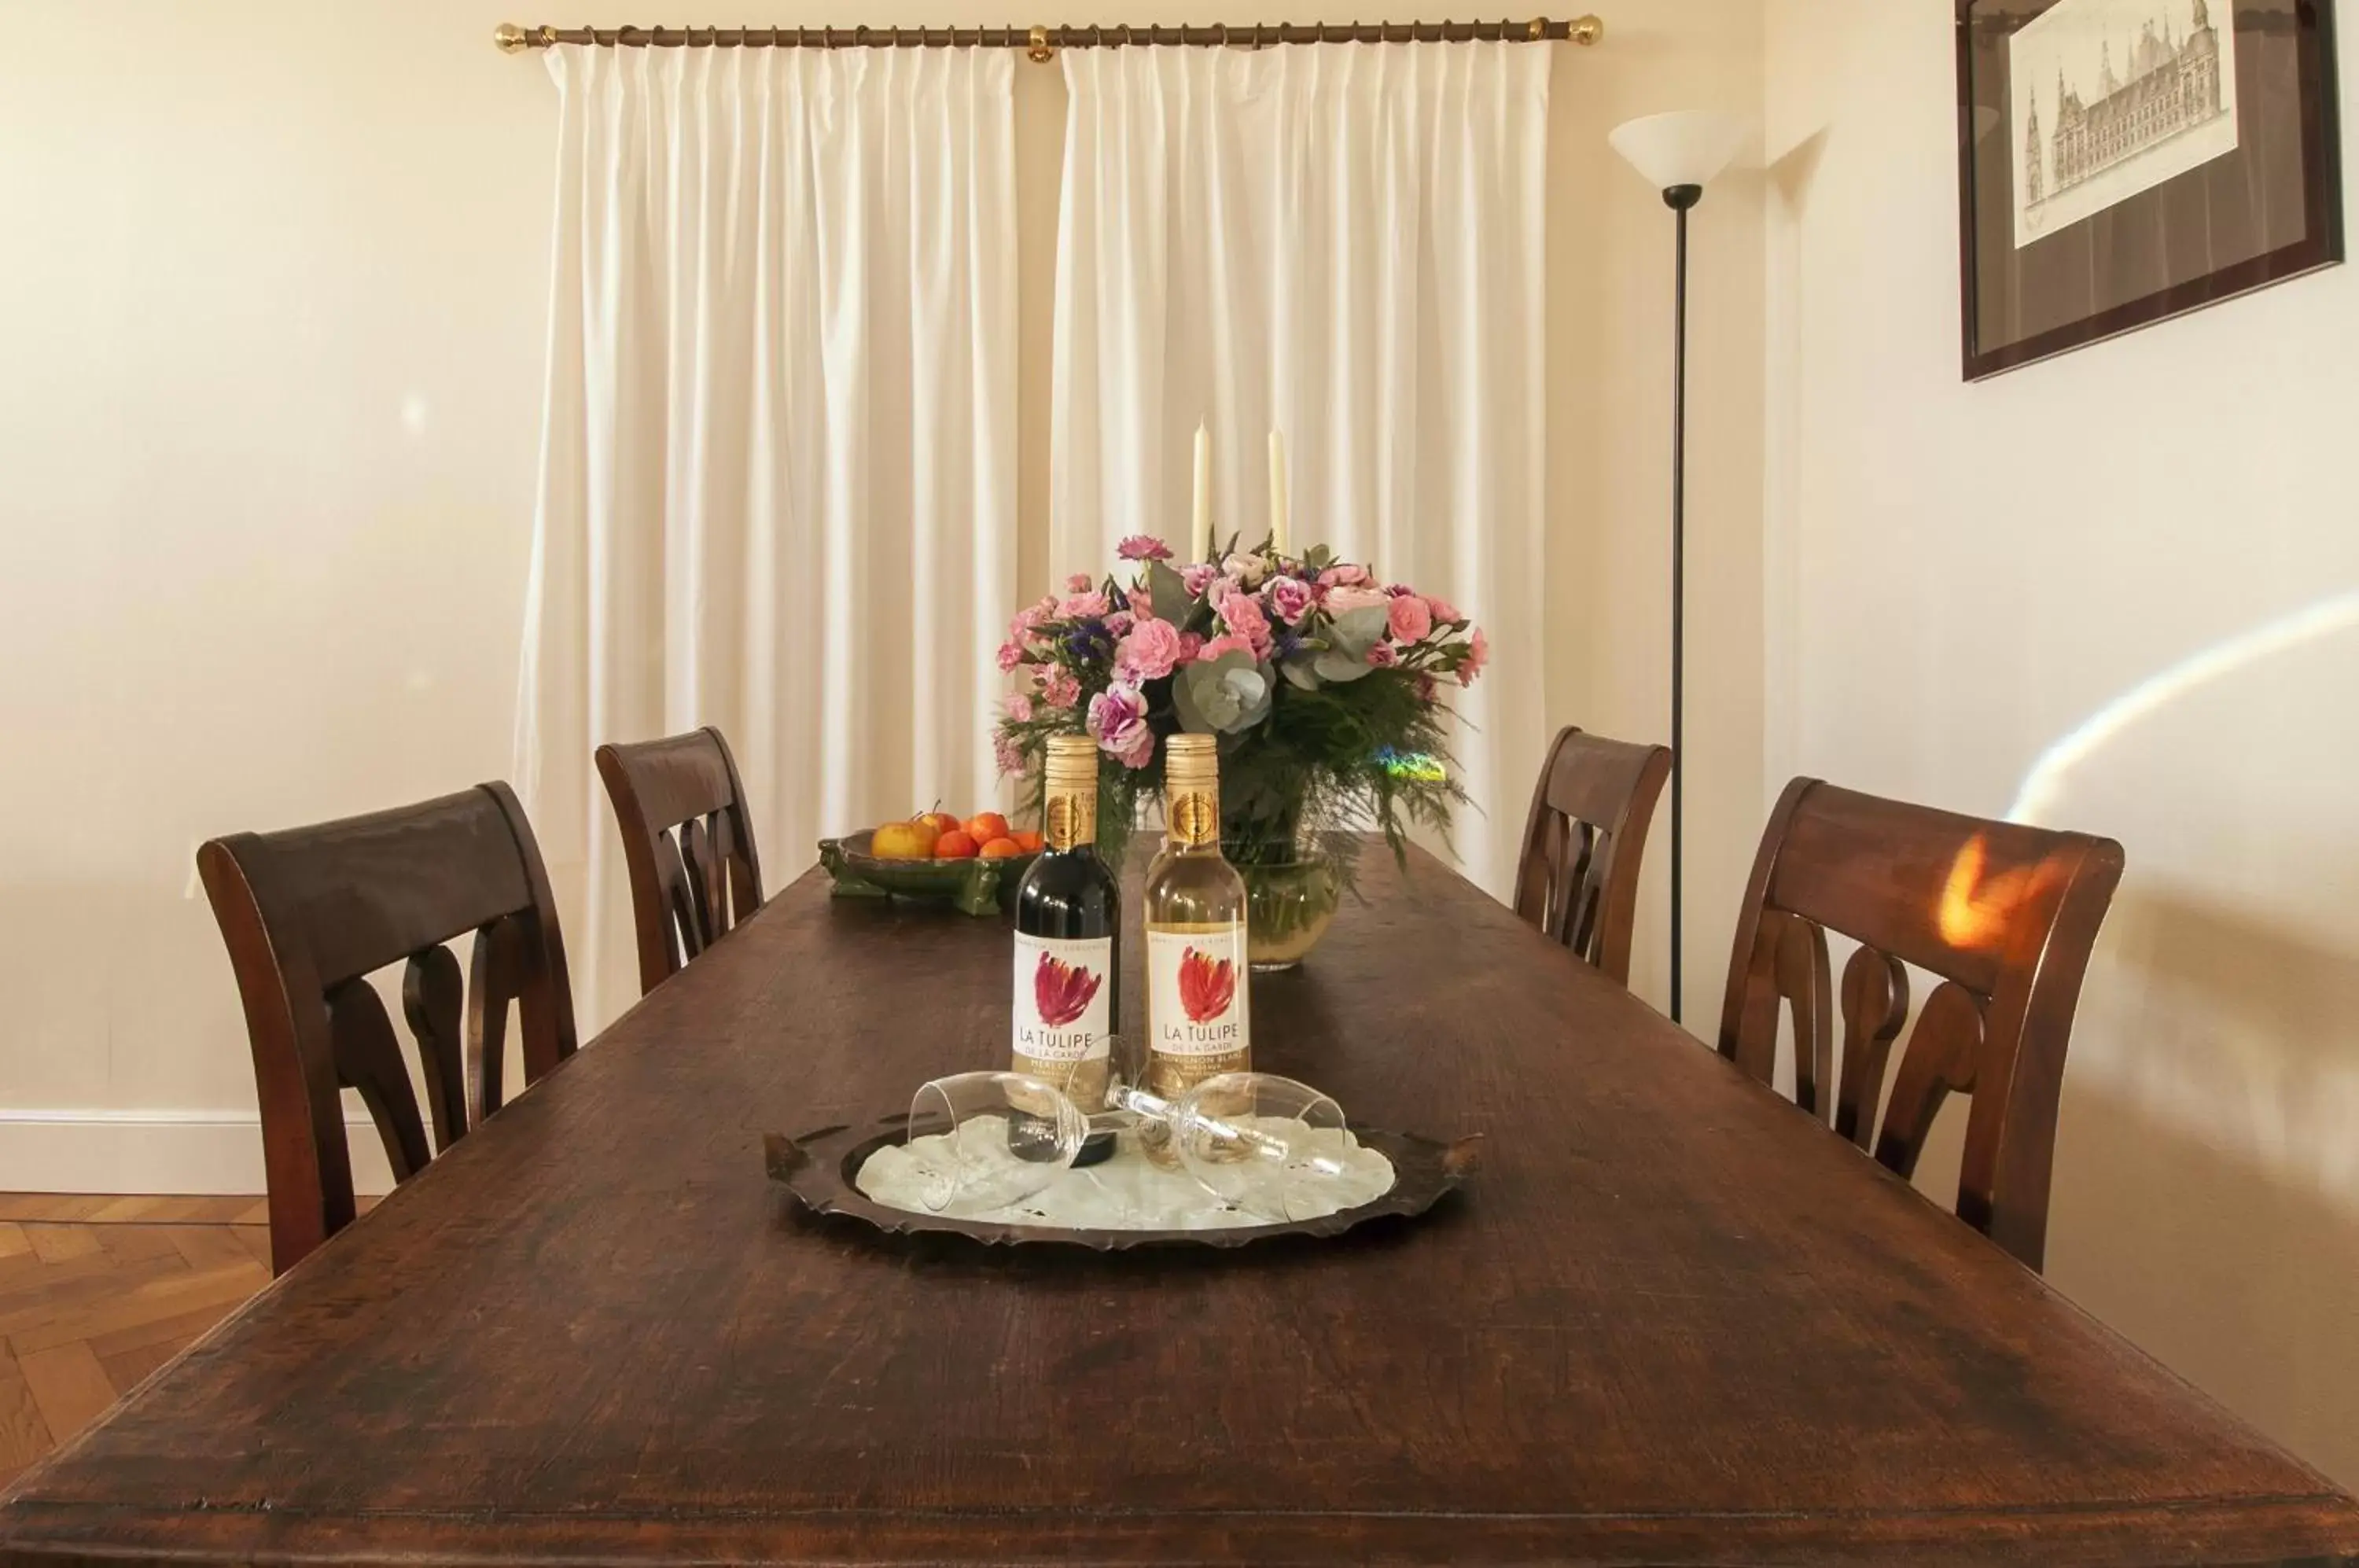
x=1207, y=985
x=1063, y=991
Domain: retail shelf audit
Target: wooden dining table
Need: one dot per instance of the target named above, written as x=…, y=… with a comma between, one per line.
x=1671, y=1319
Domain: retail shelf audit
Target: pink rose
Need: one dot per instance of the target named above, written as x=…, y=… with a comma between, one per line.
x=1141, y=547
x=1344, y=577
x=1292, y=599
x=1060, y=688
x=1150, y=652
x=1198, y=578
x=1080, y=582
x=1019, y=708
x=1442, y=610
x=1344, y=601
x=1118, y=720
x=1409, y=619
x=1478, y=654
x=1221, y=645
x=1243, y=616
x=1083, y=607
x=1383, y=656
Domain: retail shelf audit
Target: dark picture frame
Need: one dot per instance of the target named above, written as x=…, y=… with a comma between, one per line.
x=2268, y=210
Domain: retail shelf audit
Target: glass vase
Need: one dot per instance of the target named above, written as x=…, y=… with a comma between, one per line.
x=1289, y=904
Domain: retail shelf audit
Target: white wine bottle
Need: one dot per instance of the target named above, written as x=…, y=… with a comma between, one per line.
x=1199, y=1018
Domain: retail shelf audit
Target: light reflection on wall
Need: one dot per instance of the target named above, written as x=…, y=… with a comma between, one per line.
x=2036, y=795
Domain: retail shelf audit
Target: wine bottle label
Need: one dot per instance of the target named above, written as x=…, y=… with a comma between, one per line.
x=1196, y=992
x=1063, y=996
x=1192, y=817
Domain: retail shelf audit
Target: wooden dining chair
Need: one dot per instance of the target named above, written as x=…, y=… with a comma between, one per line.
x=309, y=913
x=1578, y=877
x=688, y=841
x=2001, y=914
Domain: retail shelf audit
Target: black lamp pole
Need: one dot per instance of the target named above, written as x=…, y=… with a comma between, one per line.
x=1678, y=199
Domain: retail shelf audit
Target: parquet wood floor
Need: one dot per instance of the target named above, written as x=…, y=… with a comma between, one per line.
x=97, y=1292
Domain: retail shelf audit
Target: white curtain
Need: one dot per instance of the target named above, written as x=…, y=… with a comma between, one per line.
x=778, y=485
x=1345, y=243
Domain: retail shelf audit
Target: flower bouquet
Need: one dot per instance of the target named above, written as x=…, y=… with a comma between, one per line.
x=1324, y=688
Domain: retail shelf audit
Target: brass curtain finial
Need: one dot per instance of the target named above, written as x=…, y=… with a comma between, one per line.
x=509, y=38
x=1585, y=30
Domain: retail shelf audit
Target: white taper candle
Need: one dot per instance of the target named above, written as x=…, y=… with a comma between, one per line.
x=1278, y=519
x=1199, y=532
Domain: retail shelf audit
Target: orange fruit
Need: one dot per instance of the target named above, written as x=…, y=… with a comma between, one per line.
x=940, y=822
x=903, y=841
x=1001, y=849
x=955, y=845
x=1029, y=841
x=986, y=827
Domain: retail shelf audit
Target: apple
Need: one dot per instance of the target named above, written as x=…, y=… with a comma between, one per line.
x=1029, y=841
x=986, y=827
x=1001, y=849
x=956, y=845
x=904, y=841
x=940, y=822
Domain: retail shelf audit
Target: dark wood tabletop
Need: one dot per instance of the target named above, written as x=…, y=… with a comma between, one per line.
x=1671, y=1321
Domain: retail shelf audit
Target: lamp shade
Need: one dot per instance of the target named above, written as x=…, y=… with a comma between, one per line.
x=1687, y=146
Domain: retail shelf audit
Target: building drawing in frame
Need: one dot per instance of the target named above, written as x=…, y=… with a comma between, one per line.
x=2112, y=97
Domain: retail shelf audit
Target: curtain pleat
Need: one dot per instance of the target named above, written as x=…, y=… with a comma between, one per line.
x=778, y=484
x=1345, y=243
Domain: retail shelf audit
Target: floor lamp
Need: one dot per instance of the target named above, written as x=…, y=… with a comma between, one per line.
x=1679, y=153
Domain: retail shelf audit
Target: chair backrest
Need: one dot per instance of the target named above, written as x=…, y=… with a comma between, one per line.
x=1578, y=877
x=309, y=913
x=688, y=841
x=2003, y=915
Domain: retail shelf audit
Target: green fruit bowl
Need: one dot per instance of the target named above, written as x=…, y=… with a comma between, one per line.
x=976, y=886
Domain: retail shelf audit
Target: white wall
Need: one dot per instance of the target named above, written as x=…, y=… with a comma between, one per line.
x=272, y=308
x=2106, y=561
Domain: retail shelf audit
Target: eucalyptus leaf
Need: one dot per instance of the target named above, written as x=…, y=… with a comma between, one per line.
x=1298, y=670
x=1228, y=694
x=1167, y=592
x=1357, y=631
x=1338, y=668
x=1183, y=702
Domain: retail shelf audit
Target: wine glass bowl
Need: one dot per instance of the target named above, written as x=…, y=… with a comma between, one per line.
x=1269, y=1146
x=981, y=1141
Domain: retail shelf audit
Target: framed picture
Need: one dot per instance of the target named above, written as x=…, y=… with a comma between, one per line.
x=2124, y=161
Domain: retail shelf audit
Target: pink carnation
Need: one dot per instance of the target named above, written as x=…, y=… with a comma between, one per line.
x=1344, y=576
x=1142, y=547
x=1409, y=620
x=1142, y=603
x=1060, y=688
x=1243, y=616
x=1191, y=647
x=1120, y=622
x=1383, y=656
x=1150, y=652
x=1010, y=655
x=1080, y=582
x=1292, y=599
x=1118, y=720
x=1478, y=654
x=1083, y=607
x=1442, y=610
x=1198, y=578
x=1344, y=601
x=1019, y=708
x=1221, y=645
x=1009, y=755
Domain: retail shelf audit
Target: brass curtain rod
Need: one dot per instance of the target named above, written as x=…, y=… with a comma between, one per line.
x=1041, y=44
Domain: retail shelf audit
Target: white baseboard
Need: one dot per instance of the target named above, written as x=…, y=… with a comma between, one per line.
x=180, y=1152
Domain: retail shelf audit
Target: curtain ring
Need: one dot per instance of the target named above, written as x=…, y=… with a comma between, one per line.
x=1539, y=28
x=1038, y=52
